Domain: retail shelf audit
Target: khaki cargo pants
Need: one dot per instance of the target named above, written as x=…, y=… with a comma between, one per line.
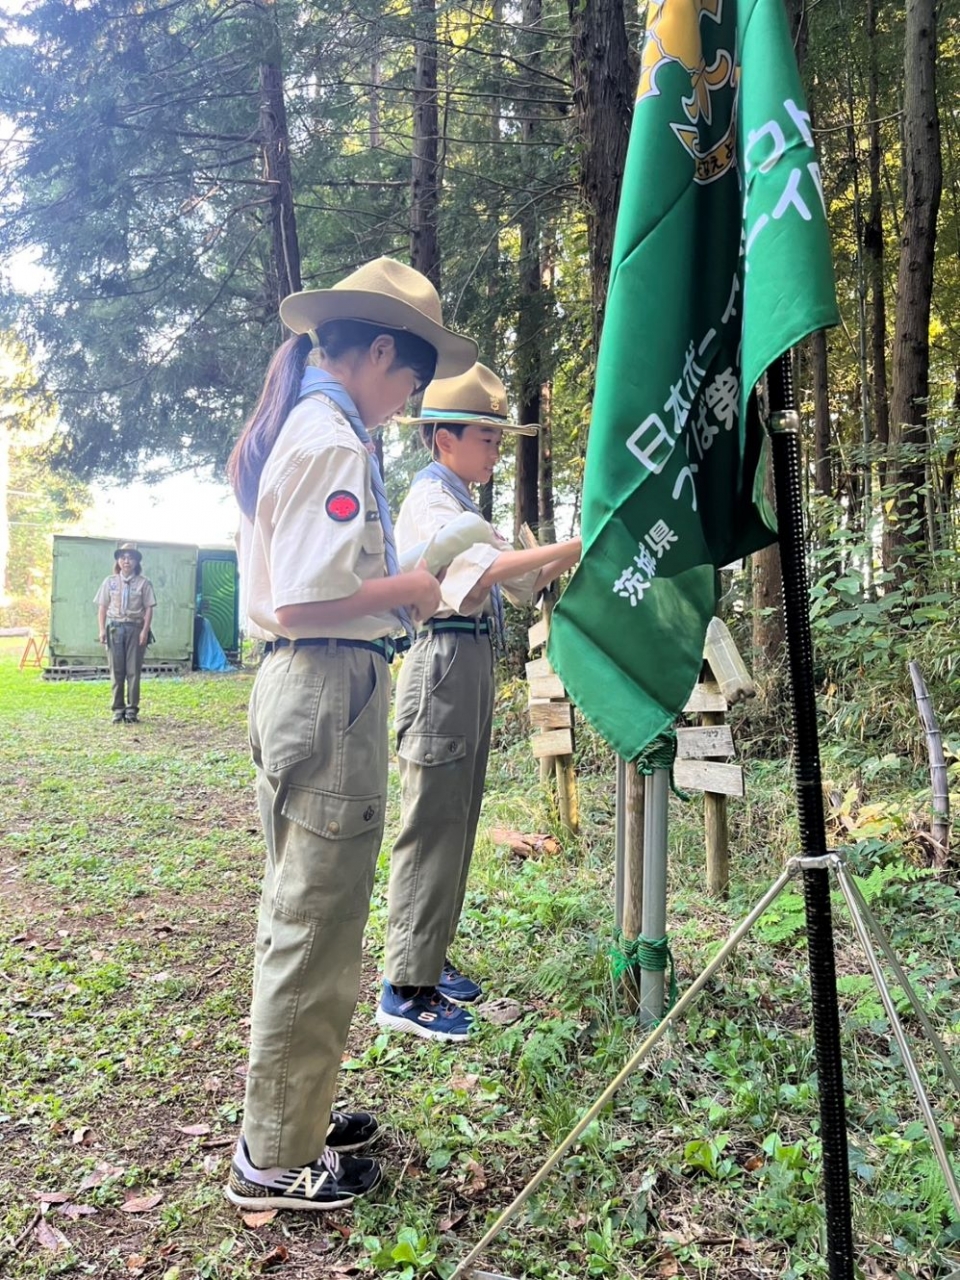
x=443, y=720
x=125, y=659
x=318, y=734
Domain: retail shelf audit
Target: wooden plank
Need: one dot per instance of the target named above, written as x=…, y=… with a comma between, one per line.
x=554, y=742
x=538, y=667
x=537, y=634
x=549, y=715
x=708, y=775
x=706, y=696
x=550, y=686
x=528, y=538
x=709, y=742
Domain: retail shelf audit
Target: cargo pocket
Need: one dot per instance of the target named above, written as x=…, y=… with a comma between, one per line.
x=443, y=793
x=329, y=854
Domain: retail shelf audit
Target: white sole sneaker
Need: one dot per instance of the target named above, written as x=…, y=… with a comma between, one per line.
x=394, y=1023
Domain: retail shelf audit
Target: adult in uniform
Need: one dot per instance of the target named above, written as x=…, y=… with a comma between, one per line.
x=319, y=580
x=125, y=605
x=445, y=703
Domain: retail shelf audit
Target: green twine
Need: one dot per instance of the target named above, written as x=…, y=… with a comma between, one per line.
x=660, y=754
x=651, y=955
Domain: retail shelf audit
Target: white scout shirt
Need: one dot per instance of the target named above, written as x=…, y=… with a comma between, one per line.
x=316, y=535
x=428, y=507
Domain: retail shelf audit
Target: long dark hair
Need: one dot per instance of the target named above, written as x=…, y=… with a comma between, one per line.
x=281, y=390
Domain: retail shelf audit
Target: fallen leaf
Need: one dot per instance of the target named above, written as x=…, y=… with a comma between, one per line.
x=476, y=1179
x=212, y=1084
x=193, y=1130
x=99, y=1175
x=342, y=1230
x=162, y=976
x=83, y=1136
x=141, y=1204
x=77, y=1211
x=668, y=1266
x=448, y=1224
x=755, y=1162
x=136, y=1262
x=50, y=1238
x=53, y=1197
x=275, y=1258
x=254, y=1220
x=466, y=1083
x=211, y=1164
x=502, y=1011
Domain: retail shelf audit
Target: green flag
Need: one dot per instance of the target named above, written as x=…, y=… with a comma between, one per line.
x=721, y=262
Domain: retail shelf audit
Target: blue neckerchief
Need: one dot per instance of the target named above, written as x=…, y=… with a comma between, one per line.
x=318, y=381
x=457, y=489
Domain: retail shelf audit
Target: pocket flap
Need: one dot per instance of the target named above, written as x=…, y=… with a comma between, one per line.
x=331, y=816
x=431, y=748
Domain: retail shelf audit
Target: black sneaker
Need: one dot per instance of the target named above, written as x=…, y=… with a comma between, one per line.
x=351, y=1131
x=331, y=1182
x=131, y=716
x=118, y=717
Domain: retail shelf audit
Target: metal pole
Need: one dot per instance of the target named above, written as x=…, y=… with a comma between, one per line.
x=672, y=1016
x=653, y=917
x=906, y=1056
x=784, y=427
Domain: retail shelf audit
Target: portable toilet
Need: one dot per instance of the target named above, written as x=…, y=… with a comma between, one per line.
x=218, y=596
x=80, y=566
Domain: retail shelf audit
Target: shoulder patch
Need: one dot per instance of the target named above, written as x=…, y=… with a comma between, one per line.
x=342, y=505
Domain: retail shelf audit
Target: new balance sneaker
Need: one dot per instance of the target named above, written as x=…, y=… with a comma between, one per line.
x=426, y=1013
x=457, y=986
x=330, y=1182
x=351, y=1131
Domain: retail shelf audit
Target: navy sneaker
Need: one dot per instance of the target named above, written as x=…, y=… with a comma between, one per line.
x=330, y=1182
x=457, y=986
x=351, y=1131
x=426, y=1013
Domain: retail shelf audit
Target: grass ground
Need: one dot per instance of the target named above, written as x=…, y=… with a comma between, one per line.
x=129, y=868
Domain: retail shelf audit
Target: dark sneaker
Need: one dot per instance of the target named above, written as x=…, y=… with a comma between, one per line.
x=118, y=717
x=457, y=986
x=131, y=716
x=351, y=1130
x=427, y=1014
x=332, y=1182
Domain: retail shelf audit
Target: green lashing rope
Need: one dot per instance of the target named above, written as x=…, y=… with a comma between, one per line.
x=660, y=754
x=651, y=955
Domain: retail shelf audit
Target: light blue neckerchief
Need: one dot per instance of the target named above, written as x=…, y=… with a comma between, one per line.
x=458, y=490
x=318, y=381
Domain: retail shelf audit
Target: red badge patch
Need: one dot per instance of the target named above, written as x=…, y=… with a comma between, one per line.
x=342, y=505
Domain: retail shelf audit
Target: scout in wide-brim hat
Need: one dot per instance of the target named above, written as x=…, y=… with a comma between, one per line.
x=389, y=293
x=477, y=396
x=128, y=549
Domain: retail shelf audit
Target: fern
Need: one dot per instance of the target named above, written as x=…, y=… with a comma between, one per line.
x=880, y=878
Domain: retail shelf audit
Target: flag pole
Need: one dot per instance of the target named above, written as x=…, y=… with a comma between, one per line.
x=784, y=430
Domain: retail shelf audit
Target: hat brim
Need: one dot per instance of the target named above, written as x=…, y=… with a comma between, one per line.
x=312, y=307
x=472, y=419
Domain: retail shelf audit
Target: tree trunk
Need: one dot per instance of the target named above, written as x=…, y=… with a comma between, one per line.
x=530, y=318
x=604, y=85
x=911, y=346
x=873, y=252
x=275, y=145
x=823, y=468
x=424, y=194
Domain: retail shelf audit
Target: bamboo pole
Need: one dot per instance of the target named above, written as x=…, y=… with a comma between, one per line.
x=940, y=826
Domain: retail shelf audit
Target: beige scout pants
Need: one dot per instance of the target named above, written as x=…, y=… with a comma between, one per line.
x=318, y=734
x=125, y=658
x=443, y=720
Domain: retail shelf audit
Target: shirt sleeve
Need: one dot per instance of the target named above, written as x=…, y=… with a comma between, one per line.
x=522, y=589
x=148, y=598
x=318, y=522
x=102, y=598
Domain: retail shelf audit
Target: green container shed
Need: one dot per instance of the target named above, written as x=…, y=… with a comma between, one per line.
x=80, y=566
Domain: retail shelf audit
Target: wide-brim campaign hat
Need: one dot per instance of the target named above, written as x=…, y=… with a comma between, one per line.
x=477, y=396
x=385, y=292
x=130, y=549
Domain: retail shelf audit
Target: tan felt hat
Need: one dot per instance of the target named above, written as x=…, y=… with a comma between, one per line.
x=477, y=396
x=385, y=292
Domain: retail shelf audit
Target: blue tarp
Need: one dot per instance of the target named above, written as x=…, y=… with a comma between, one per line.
x=210, y=655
